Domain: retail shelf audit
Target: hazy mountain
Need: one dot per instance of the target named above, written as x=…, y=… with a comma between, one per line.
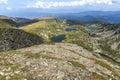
x=93, y=16
x=15, y=19
x=89, y=16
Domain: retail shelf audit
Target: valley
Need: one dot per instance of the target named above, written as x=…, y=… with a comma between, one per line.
x=58, y=49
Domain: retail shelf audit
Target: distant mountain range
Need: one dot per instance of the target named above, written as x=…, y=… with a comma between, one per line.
x=93, y=16
x=89, y=16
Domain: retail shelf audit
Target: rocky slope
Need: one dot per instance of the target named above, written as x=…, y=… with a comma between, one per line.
x=13, y=39
x=61, y=61
x=109, y=40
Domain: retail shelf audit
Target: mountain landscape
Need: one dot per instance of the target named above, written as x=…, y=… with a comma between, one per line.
x=79, y=47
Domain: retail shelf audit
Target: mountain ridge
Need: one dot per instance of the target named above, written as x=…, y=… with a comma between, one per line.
x=55, y=49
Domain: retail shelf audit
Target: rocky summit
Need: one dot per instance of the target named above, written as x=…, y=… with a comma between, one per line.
x=60, y=61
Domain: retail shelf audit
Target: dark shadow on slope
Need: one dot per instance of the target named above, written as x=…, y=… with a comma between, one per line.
x=11, y=39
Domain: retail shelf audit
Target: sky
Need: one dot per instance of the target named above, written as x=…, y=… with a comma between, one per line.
x=21, y=7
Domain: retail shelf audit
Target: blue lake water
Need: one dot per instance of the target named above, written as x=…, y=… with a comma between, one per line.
x=103, y=55
x=71, y=29
x=18, y=26
x=58, y=38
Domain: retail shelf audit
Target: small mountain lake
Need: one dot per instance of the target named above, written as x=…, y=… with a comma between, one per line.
x=18, y=26
x=58, y=38
x=103, y=55
x=71, y=29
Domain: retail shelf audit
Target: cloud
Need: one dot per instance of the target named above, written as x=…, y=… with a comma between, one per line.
x=8, y=8
x=3, y=1
x=51, y=4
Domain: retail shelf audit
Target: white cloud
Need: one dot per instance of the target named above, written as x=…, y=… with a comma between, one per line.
x=41, y=4
x=3, y=1
x=8, y=8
